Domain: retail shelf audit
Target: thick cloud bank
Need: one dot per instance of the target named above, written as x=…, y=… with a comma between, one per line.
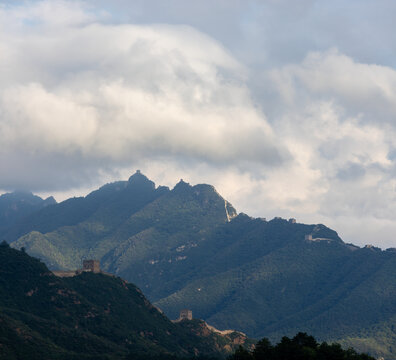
x=87, y=96
x=77, y=96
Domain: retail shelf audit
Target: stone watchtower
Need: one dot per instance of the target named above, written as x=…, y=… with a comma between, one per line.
x=185, y=314
x=91, y=265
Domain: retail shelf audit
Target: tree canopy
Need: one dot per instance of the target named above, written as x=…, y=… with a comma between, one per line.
x=300, y=347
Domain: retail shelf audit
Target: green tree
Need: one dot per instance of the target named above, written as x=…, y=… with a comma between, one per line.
x=264, y=350
x=241, y=354
x=286, y=349
x=330, y=352
x=301, y=347
x=305, y=340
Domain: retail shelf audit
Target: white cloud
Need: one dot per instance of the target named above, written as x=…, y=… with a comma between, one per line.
x=337, y=117
x=366, y=89
x=114, y=94
x=46, y=14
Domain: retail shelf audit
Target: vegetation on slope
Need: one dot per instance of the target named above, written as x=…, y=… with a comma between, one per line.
x=89, y=316
x=187, y=248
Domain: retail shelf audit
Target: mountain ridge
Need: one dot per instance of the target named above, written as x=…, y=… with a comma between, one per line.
x=265, y=278
x=19, y=204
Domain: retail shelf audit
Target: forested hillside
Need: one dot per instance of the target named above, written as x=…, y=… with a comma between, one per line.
x=187, y=247
x=89, y=316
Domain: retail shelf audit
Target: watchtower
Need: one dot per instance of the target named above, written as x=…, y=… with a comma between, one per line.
x=185, y=314
x=91, y=265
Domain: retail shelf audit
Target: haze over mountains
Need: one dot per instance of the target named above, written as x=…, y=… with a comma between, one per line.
x=188, y=247
x=17, y=205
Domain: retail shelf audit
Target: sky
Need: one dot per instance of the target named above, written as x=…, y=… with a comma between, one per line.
x=287, y=107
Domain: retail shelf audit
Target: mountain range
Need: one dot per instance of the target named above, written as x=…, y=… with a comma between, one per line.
x=189, y=248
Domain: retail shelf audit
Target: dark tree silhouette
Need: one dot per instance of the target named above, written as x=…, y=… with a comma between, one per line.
x=241, y=354
x=263, y=350
x=301, y=347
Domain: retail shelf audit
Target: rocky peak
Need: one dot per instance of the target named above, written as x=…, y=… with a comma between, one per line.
x=49, y=201
x=182, y=186
x=138, y=179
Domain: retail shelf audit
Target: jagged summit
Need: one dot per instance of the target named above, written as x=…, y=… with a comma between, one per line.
x=182, y=186
x=140, y=179
x=205, y=187
x=49, y=201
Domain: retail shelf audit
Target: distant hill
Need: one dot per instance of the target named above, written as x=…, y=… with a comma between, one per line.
x=89, y=316
x=188, y=247
x=17, y=205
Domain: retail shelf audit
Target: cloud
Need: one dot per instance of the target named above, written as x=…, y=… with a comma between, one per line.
x=365, y=89
x=273, y=33
x=47, y=14
x=112, y=94
x=337, y=117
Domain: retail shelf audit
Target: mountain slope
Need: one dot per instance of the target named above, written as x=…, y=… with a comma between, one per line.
x=134, y=228
x=91, y=316
x=17, y=205
x=112, y=202
x=186, y=248
x=285, y=285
